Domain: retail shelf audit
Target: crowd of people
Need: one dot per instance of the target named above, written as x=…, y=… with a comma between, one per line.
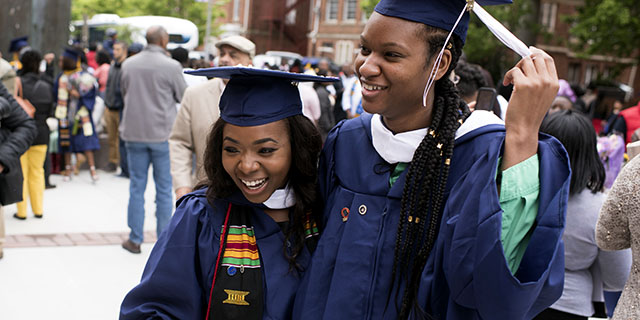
x=457, y=200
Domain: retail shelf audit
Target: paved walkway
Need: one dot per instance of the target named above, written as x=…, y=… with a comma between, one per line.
x=69, y=264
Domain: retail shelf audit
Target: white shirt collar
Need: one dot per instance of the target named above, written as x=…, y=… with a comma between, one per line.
x=281, y=199
x=394, y=148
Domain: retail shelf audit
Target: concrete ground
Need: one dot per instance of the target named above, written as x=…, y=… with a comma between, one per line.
x=69, y=265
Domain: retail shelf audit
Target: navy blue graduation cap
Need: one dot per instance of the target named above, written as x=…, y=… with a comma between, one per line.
x=255, y=97
x=17, y=44
x=436, y=13
x=71, y=54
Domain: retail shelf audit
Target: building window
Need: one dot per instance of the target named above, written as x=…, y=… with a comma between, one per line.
x=344, y=52
x=549, y=11
x=236, y=10
x=590, y=74
x=327, y=47
x=332, y=10
x=573, y=75
x=349, y=12
x=290, y=19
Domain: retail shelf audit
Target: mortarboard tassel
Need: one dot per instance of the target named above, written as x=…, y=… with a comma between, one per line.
x=502, y=33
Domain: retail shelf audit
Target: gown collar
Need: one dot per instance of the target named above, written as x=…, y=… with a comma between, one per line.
x=394, y=148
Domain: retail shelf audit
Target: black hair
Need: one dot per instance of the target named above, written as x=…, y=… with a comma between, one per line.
x=471, y=79
x=102, y=57
x=423, y=193
x=181, y=55
x=30, y=62
x=576, y=133
x=303, y=175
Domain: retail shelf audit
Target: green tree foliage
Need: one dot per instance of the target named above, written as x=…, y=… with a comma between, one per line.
x=610, y=27
x=191, y=10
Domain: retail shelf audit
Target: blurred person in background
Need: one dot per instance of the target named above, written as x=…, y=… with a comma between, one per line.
x=152, y=84
x=198, y=112
x=101, y=73
x=76, y=96
x=17, y=131
x=327, y=118
x=111, y=38
x=182, y=56
x=115, y=104
x=470, y=80
x=619, y=228
x=39, y=93
x=588, y=270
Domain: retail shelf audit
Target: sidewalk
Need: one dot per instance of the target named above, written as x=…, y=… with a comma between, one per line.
x=69, y=265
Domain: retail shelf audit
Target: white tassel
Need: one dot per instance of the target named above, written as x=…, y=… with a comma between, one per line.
x=505, y=36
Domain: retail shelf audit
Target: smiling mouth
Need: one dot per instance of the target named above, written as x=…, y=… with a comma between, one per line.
x=254, y=184
x=372, y=87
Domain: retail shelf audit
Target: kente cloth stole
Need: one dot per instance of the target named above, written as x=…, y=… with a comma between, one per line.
x=238, y=292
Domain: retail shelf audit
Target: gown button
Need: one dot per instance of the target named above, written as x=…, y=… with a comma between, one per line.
x=362, y=210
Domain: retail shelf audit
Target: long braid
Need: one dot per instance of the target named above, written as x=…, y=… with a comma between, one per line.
x=423, y=193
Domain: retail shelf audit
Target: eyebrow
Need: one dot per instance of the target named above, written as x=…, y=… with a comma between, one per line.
x=386, y=44
x=261, y=141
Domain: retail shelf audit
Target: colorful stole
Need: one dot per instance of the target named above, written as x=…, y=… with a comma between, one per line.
x=238, y=292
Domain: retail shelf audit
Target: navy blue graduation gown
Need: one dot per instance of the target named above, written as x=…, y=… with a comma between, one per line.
x=466, y=275
x=177, y=278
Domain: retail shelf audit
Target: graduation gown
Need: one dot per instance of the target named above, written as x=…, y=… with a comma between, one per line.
x=466, y=275
x=177, y=278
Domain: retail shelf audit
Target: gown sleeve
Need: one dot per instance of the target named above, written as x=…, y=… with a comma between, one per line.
x=171, y=285
x=474, y=264
x=519, y=191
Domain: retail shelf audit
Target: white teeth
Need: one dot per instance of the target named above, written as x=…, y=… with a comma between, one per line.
x=254, y=184
x=370, y=87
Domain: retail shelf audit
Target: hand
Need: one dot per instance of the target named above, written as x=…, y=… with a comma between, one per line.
x=182, y=191
x=49, y=57
x=535, y=85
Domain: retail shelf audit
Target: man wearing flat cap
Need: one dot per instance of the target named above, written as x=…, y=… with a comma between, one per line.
x=198, y=111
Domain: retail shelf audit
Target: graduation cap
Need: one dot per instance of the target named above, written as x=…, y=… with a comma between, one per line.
x=71, y=53
x=436, y=13
x=453, y=16
x=255, y=97
x=17, y=44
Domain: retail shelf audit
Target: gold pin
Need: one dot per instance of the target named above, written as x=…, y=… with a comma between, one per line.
x=450, y=46
x=236, y=297
x=417, y=220
x=447, y=162
x=439, y=146
x=470, y=4
x=410, y=218
x=460, y=121
x=432, y=133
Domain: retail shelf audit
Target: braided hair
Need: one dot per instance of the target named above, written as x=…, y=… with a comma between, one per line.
x=423, y=193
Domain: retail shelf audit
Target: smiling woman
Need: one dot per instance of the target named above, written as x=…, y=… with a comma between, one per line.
x=249, y=230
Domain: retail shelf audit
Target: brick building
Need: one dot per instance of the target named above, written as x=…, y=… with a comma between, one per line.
x=272, y=25
x=571, y=67
x=331, y=28
x=321, y=28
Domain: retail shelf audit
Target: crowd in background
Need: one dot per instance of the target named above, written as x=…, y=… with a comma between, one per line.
x=104, y=92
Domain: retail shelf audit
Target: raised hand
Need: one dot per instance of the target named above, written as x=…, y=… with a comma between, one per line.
x=535, y=85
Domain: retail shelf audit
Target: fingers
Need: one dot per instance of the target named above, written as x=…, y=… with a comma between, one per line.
x=513, y=76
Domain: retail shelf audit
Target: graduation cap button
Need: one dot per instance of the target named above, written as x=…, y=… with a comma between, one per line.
x=362, y=210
